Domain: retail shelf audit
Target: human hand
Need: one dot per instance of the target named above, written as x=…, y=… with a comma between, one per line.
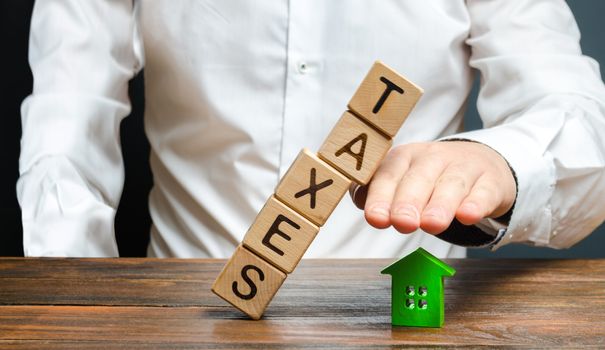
x=426, y=185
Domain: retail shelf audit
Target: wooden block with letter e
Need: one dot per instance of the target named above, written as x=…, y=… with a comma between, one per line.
x=248, y=282
x=385, y=98
x=312, y=187
x=280, y=235
x=355, y=148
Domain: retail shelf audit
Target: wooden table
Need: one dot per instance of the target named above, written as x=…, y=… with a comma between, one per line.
x=151, y=303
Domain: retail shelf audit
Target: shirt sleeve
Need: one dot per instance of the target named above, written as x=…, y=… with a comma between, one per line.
x=82, y=55
x=543, y=108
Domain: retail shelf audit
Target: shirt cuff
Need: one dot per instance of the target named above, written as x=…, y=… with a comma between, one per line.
x=534, y=169
x=481, y=235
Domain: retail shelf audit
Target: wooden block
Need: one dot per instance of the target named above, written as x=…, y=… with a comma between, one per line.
x=280, y=235
x=248, y=282
x=355, y=148
x=312, y=187
x=385, y=98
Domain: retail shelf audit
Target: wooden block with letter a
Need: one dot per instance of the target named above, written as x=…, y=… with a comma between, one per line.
x=355, y=148
x=280, y=235
x=312, y=187
x=248, y=282
x=385, y=98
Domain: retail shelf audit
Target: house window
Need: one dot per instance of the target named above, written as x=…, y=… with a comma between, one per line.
x=409, y=291
x=413, y=296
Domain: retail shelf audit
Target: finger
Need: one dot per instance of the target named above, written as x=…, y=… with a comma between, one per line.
x=413, y=192
x=381, y=189
x=482, y=201
x=451, y=188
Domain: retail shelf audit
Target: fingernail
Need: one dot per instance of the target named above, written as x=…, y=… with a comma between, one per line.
x=435, y=212
x=407, y=210
x=380, y=210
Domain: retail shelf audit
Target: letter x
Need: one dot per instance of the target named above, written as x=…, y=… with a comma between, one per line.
x=313, y=188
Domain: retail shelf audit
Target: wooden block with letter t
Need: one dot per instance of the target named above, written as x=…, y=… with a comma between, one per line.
x=355, y=148
x=248, y=282
x=312, y=187
x=385, y=98
x=280, y=235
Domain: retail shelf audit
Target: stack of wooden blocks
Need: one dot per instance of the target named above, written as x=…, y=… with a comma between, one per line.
x=312, y=187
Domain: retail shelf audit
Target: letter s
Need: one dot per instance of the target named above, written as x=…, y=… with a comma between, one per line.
x=253, y=289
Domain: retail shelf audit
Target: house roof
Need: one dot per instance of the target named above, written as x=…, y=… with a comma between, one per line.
x=419, y=260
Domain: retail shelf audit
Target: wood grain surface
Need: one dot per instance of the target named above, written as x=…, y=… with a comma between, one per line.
x=167, y=304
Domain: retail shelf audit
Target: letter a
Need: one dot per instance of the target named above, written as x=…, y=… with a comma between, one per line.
x=359, y=155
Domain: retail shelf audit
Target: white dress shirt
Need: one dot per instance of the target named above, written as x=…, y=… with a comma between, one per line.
x=235, y=89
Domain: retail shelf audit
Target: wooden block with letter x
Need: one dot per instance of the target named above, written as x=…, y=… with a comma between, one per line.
x=280, y=235
x=312, y=187
x=248, y=282
x=355, y=148
x=385, y=98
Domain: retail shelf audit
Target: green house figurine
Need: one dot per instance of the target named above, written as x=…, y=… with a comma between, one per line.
x=417, y=289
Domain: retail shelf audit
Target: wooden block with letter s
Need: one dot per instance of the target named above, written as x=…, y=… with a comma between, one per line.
x=248, y=282
x=312, y=187
x=280, y=235
x=385, y=98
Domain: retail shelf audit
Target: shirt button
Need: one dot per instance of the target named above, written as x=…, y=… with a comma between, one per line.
x=302, y=67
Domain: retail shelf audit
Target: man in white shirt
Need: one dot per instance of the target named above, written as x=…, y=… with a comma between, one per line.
x=234, y=90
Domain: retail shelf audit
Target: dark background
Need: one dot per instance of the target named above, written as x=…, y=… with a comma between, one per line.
x=132, y=221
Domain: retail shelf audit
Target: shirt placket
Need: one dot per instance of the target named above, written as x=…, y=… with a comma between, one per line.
x=302, y=86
